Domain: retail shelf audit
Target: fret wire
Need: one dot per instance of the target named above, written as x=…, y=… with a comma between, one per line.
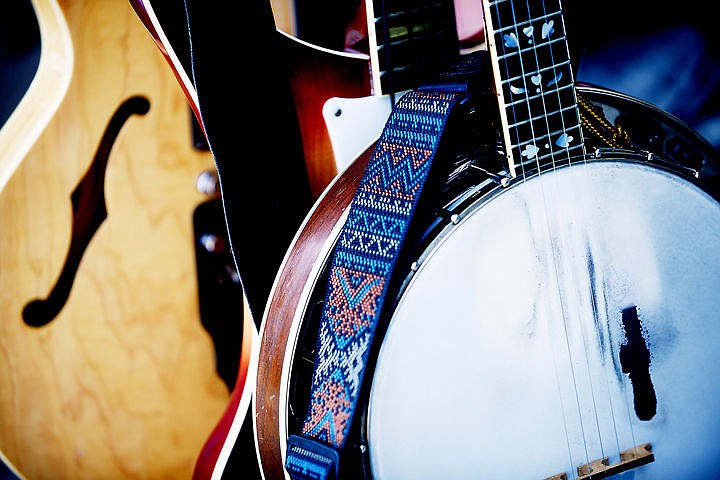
x=548, y=136
x=554, y=155
x=498, y=2
x=515, y=133
x=557, y=158
x=558, y=152
x=554, y=152
x=569, y=151
x=409, y=42
x=397, y=68
x=574, y=122
x=544, y=93
x=553, y=67
x=519, y=53
x=544, y=115
x=494, y=7
x=530, y=48
x=518, y=25
x=560, y=99
x=561, y=107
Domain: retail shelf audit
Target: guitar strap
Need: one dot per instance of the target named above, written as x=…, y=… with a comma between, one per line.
x=363, y=261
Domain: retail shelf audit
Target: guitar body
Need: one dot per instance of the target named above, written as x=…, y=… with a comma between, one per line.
x=317, y=75
x=505, y=359
x=314, y=74
x=105, y=368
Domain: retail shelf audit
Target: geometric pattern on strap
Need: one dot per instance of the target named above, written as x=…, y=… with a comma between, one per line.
x=365, y=255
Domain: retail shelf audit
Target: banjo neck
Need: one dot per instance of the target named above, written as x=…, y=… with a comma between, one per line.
x=534, y=82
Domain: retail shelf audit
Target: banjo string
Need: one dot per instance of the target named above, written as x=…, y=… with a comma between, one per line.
x=583, y=212
x=616, y=136
x=546, y=224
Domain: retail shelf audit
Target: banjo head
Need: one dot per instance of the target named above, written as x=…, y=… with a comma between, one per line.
x=503, y=357
x=506, y=347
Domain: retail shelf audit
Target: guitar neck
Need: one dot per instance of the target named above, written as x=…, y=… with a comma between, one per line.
x=533, y=81
x=409, y=41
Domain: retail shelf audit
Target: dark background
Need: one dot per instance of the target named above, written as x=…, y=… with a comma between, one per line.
x=19, y=53
x=667, y=57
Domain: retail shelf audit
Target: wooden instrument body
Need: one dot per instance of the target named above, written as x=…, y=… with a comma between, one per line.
x=289, y=327
x=122, y=382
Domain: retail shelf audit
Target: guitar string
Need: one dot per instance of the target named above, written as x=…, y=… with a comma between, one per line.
x=555, y=243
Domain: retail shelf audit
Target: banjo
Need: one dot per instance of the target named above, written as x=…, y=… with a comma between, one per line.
x=556, y=315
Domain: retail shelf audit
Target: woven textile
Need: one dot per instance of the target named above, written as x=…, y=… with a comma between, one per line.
x=365, y=255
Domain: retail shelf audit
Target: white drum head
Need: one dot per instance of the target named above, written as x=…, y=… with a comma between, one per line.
x=501, y=360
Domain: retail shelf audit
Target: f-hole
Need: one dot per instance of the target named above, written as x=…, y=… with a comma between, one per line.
x=89, y=212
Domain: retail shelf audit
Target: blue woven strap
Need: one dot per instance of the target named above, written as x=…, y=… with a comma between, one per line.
x=363, y=261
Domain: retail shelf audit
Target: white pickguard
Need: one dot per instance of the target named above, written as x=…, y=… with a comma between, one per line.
x=354, y=124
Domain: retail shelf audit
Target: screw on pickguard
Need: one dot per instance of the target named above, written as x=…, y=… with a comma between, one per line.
x=89, y=211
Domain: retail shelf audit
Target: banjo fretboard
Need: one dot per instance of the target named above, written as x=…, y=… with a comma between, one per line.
x=534, y=81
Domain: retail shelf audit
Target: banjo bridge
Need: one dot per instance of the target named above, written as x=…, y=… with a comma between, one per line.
x=598, y=469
